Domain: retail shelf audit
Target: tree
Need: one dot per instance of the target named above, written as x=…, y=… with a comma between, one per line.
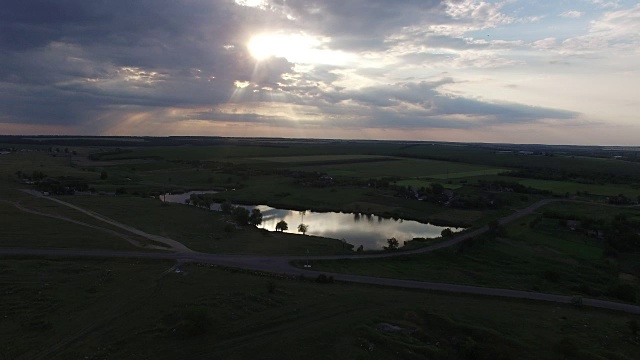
x=496, y=229
x=437, y=188
x=446, y=232
x=104, y=175
x=255, y=218
x=240, y=215
x=303, y=228
x=393, y=244
x=282, y=226
x=633, y=326
x=226, y=207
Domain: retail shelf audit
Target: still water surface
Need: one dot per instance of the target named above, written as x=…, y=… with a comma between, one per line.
x=370, y=231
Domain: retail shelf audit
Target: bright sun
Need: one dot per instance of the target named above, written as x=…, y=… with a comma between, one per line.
x=291, y=47
x=296, y=48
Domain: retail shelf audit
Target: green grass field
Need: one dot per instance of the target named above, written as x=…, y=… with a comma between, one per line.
x=418, y=183
x=467, y=174
x=202, y=230
x=548, y=258
x=562, y=187
x=24, y=230
x=130, y=309
x=411, y=168
x=320, y=158
x=489, y=157
x=28, y=162
x=241, y=153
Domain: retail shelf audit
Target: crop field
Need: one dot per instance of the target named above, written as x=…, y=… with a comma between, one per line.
x=411, y=168
x=470, y=154
x=324, y=158
x=562, y=187
x=468, y=174
x=131, y=309
x=237, y=153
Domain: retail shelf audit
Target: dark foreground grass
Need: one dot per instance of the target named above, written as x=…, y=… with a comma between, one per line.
x=203, y=230
x=129, y=309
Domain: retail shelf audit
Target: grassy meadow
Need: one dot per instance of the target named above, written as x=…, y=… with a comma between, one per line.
x=203, y=230
x=401, y=168
x=534, y=254
x=131, y=309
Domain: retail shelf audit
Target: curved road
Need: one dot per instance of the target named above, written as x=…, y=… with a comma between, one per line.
x=281, y=264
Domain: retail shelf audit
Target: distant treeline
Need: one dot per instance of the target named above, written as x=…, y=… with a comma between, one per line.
x=128, y=141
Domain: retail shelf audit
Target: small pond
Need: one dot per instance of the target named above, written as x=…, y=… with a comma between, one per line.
x=370, y=231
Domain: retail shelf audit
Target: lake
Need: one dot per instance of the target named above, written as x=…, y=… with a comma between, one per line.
x=370, y=231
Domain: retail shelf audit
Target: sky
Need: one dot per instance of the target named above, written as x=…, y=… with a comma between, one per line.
x=511, y=71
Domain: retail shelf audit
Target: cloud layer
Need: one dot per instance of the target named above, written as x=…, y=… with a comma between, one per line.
x=450, y=68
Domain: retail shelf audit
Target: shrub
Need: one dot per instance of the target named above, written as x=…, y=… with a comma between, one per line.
x=324, y=279
x=624, y=292
x=568, y=348
x=196, y=321
x=633, y=326
x=271, y=287
x=446, y=232
x=551, y=275
x=577, y=301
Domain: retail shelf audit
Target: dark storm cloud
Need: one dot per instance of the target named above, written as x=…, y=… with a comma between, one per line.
x=74, y=55
x=69, y=62
x=403, y=106
x=362, y=24
x=419, y=105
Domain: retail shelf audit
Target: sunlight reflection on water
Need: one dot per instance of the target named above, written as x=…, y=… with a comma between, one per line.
x=370, y=231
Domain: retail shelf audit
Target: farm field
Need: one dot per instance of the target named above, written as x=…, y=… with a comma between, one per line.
x=247, y=151
x=131, y=309
x=467, y=174
x=323, y=158
x=562, y=162
x=562, y=187
x=403, y=168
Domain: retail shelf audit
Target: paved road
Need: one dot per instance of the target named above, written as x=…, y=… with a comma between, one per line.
x=281, y=264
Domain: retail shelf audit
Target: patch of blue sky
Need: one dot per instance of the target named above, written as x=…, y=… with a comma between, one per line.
x=539, y=20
